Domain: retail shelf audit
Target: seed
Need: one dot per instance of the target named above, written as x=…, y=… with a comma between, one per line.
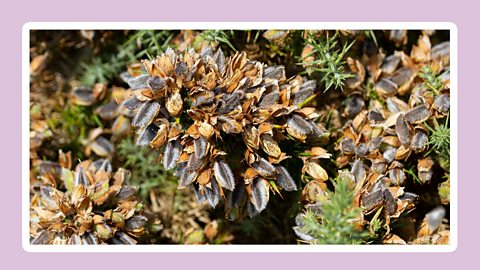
x=83, y=96
x=284, y=179
x=135, y=223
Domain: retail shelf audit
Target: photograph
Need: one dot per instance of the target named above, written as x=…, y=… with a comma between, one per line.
x=216, y=136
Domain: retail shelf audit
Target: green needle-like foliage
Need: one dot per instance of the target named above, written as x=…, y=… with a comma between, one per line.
x=334, y=223
x=440, y=141
x=215, y=37
x=140, y=44
x=432, y=78
x=371, y=34
x=71, y=126
x=328, y=59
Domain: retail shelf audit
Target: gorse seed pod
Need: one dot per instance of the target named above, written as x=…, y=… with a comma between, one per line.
x=171, y=154
x=284, y=179
x=224, y=175
x=146, y=114
x=260, y=194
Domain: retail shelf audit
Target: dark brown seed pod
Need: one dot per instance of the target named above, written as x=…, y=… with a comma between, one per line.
x=441, y=52
x=147, y=134
x=372, y=200
x=358, y=171
x=348, y=146
x=418, y=114
x=284, y=179
x=156, y=83
x=390, y=202
x=399, y=37
x=213, y=194
x=224, y=174
x=83, y=96
x=306, y=90
x=201, y=147
x=402, y=130
x=425, y=169
x=264, y=168
x=442, y=103
x=237, y=197
x=397, y=176
x=108, y=111
x=274, y=73
x=298, y=127
x=121, y=238
x=102, y=147
x=260, y=194
x=386, y=87
x=419, y=141
x=138, y=82
x=390, y=64
x=171, y=154
x=132, y=103
x=147, y=112
x=269, y=99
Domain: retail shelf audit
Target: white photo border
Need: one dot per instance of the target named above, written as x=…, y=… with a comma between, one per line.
x=27, y=246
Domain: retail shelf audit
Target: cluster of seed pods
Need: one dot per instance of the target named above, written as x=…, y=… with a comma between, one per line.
x=221, y=123
x=383, y=134
x=90, y=205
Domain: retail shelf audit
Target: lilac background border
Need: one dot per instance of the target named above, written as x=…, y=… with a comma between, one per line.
x=17, y=13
